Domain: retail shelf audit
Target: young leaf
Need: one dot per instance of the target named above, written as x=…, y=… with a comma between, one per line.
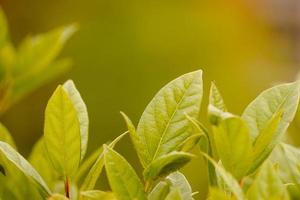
x=263, y=144
x=82, y=113
x=228, y=179
x=97, y=195
x=163, y=125
x=282, y=98
x=267, y=185
x=166, y=164
x=45, y=47
x=179, y=181
x=40, y=161
x=18, y=161
x=123, y=180
x=62, y=133
x=94, y=173
x=87, y=164
x=6, y=137
x=233, y=144
x=216, y=106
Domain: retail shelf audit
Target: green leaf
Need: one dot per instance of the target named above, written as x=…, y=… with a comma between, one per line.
x=166, y=164
x=18, y=161
x=160, y=191
x=94, y=173
x=174, y=195
x=282, y=98
x=6, y=137
x=228, y=179
x=62, y=133
x=97, y=195
x=87, y=164
x=233, y=144
x=179, y=181
x=82, y=113
x=40, y=161
x=123, y=180
x=287, y=158
x=28, y=71
x=267, y=185
x=163, y=125
x=264, y=143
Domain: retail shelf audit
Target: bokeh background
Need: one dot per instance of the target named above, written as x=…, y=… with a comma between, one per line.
x=125, y=50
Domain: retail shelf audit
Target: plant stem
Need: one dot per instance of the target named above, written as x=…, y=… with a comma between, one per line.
x=67, y=187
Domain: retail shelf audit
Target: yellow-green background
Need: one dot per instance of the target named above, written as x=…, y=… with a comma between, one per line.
x=125, y=50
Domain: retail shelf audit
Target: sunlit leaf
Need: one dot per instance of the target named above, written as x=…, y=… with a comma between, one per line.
x=62, y=133
x=82, y=114
x=163, y=125
x=267, y=185
x=179, y=181
x=17, y=160
x=160, y=191
x=94, y=173
x=123, y=180
x=233, y=144
x=97, y=195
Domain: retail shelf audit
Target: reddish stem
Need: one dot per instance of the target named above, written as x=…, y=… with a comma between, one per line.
x=67, y=187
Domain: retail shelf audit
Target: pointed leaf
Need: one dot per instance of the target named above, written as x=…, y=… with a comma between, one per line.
x=82, y=113
x=233, y=144
x=62, y=133
x=166, y=164
x=228, y=180
x=163, y=125
x=283, y=98
x=123, y=180
x=17, y=160
x=94, y=173
x=267, y=185
x=174, y=195
x=216, y=106
x=264, y=143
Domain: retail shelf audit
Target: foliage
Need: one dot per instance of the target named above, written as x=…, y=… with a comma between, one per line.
x=246, y=157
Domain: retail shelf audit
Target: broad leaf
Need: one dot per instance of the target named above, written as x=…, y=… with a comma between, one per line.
x=166, y=164
x=94, y=173
x=62, y=133
x=123, y=180
x=263, y=144
x=231, y=183
x=233, y=144
x=163, y=125
x=282, y=98
x=217, y=194
x=267, y=185
x=18, y=161
x=82, y=113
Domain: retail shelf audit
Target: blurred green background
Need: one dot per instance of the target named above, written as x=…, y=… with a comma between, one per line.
x=125, y=50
